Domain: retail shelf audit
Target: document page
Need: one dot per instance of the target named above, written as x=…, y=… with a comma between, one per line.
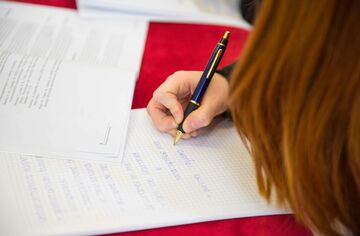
x=228, y=8
x=201, y=11
x=62, y=35
x=66, y=84
x=158, y=184
x=62, y=108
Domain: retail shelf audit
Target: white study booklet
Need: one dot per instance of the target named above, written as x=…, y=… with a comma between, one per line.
x=66, y=84
x=190, y=11
x=206, y=178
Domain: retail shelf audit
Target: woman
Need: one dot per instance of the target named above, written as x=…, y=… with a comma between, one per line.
x=294, y=96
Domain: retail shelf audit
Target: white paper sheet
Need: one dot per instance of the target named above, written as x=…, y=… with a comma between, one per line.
x=206, y=178
x=61, y=34
x=227, y=8
x=194, y=11
x=62, y=108
x=66, y=84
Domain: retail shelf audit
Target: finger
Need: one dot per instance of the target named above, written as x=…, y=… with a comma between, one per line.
x=161, y=119
x=199, y=118
x=169, y=101
x=182, y=83
x=175, y=89
x=213, y=104
x=185, y=136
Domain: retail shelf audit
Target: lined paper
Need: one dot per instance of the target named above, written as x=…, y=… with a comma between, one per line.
x=157, y=184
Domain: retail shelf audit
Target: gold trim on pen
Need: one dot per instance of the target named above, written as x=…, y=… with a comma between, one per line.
x=196, y=103
x=221, y=44
x=217, y=58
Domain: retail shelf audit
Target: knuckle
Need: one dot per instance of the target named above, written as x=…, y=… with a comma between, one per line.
x=157, y=94
x=175, y=75
x=170, y=77
x=179, y=73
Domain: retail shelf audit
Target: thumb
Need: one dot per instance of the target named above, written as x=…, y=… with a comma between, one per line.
x=199, y=118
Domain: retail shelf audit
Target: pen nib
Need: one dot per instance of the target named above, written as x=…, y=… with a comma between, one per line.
x=178, y=136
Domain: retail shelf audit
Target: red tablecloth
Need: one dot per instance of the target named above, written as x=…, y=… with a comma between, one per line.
x=171, y=47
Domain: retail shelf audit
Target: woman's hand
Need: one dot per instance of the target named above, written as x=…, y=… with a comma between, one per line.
x=166, y=108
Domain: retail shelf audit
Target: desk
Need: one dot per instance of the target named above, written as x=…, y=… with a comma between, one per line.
x=170, y=47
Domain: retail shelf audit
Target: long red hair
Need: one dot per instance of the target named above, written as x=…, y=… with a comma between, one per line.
x=295, y=98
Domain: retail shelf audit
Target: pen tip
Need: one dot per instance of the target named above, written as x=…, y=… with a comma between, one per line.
x=178, y=136
x=226, y=35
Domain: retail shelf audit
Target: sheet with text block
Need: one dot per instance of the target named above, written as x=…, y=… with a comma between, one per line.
x=60, y=34
x=66, y=84
x=157, y=184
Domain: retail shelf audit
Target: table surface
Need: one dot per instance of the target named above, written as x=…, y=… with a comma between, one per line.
x=170, y=47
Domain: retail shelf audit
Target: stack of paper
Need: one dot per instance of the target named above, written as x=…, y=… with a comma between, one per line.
x=206, y=11
x=66, y=84
x=158, y=184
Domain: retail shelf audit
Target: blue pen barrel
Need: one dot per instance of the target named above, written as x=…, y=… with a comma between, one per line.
x=205, y=79
x=208, y=73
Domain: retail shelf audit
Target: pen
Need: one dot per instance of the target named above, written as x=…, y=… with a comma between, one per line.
x=204, y=81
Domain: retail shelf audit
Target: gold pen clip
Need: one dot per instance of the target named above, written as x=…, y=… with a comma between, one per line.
x=217, y=58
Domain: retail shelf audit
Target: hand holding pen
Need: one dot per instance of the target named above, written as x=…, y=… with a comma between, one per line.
x=170, y=100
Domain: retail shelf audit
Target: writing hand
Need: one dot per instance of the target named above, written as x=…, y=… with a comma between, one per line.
x=167, y=105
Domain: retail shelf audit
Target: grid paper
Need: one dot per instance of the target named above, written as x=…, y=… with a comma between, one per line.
x=205, y=178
